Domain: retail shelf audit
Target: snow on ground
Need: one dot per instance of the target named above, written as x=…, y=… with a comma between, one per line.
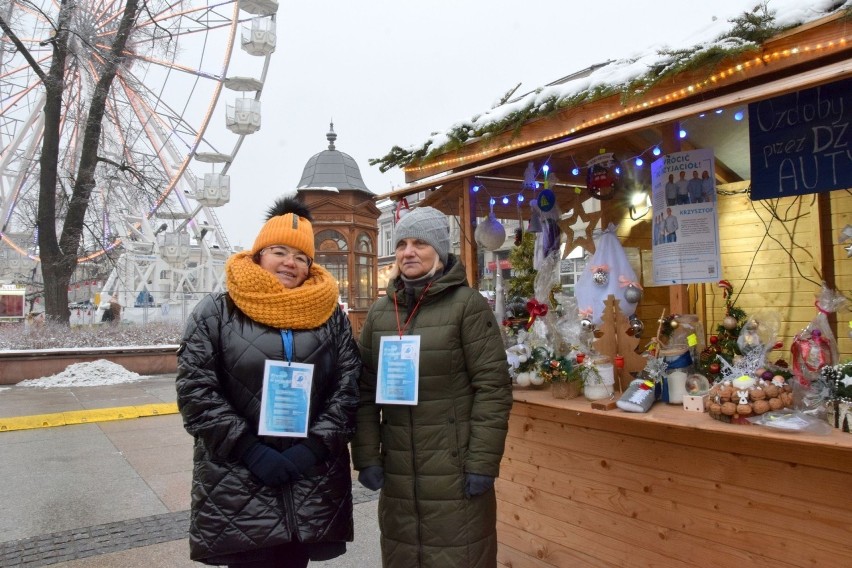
x=91, y=374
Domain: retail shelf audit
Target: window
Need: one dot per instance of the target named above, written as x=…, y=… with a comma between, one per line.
x=387, y=240
x=330, y=241
x=569, y=271
x=364, y=244
x=331, y=254
x=364, y=267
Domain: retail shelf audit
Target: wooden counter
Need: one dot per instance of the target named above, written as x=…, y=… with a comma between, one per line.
x=582, y=487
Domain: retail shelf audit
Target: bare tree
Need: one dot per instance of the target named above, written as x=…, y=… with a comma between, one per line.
x=58, y=249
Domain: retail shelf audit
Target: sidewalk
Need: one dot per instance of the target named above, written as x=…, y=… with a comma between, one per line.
x=106, y=493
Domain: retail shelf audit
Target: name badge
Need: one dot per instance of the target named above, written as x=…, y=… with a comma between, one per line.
x=285, y=399
x=399, y=370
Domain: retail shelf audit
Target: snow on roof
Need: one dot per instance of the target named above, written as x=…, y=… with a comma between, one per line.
x=717, y=35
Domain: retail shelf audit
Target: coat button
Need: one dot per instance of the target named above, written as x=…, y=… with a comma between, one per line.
x=455, y=453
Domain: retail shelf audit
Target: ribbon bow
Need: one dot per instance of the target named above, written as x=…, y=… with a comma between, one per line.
x=599, y=268
x=726, y=287
x=535, y=309
x=587, y=313
x=625, y=282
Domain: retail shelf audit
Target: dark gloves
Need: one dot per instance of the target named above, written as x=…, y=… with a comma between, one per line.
x=276, y=468
x=372, y=477
x=475, y=484
x=269, y=465
x=300, y=459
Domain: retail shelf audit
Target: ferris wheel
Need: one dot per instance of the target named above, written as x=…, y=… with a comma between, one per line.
x=182, y=101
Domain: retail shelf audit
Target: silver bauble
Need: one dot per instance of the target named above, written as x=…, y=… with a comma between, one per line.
x=633, y=294
x=587, y=324
x=490, y=233
x=600, y=277
x=730, y=322
x=636, y=326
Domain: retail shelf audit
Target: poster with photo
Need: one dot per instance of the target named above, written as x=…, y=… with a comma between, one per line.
x=685, y=227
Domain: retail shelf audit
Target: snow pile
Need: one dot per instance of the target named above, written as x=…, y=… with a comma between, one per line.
x=92, y=374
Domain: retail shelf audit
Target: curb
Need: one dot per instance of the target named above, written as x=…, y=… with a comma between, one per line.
x=86, y=416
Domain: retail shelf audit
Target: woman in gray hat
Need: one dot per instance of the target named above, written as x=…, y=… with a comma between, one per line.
x=434, y=406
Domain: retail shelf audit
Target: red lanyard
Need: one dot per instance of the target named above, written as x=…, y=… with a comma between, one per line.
x=411, y=315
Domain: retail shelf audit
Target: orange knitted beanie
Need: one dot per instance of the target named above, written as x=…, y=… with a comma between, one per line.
x=289, y=229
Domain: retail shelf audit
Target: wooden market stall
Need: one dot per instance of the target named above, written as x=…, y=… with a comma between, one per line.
x=584, y=487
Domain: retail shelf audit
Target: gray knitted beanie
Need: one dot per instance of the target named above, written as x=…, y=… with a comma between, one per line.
x=430, y=226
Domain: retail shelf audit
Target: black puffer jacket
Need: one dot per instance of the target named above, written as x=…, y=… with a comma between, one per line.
x=220, y=375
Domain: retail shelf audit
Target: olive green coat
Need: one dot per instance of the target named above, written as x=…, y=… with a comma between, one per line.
x=459, y=425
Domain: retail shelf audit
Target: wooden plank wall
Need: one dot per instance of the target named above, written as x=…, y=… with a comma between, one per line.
x=577, y=495
x=768, y=253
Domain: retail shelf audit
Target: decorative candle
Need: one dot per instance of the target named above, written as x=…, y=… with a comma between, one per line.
x=677, y=386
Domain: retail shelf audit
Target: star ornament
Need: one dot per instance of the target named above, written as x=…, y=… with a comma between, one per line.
x=579, y=227
x=846, y=381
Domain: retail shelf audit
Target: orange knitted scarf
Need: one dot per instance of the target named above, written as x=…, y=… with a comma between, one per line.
x=260, y=295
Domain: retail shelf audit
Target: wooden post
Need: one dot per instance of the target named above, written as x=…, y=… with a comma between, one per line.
x=467, y=243
x=824, y=248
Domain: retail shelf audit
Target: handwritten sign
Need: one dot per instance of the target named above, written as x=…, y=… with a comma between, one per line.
x=801, y=142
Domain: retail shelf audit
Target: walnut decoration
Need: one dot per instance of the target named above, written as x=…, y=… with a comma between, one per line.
x=735, y=400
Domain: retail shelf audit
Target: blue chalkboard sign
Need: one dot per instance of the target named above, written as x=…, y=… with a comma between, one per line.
x=801, y=142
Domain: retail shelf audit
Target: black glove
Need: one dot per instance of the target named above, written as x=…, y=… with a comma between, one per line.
x=475, y=484
x=299, y=459
x=269, y=465
x=372, y=477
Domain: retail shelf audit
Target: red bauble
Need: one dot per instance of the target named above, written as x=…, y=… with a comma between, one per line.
x=715, y=368
x=714, y=339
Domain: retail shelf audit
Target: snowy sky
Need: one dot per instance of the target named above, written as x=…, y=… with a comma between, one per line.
x=392, y=73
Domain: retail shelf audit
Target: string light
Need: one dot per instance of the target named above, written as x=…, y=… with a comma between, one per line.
x=657, y=151
x=712, y=81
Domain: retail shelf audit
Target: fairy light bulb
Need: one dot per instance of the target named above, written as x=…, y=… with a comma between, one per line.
x=505, y=200
x=575, y=171
x=639, y=162
x=657, y=151
x=520, y=198
x=475, y=188
x=682, y=133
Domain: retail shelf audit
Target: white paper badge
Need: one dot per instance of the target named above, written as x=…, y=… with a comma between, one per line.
x=285, y=401
x=399, y=370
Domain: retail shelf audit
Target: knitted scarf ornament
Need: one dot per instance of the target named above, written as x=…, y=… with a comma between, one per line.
x=259, y=294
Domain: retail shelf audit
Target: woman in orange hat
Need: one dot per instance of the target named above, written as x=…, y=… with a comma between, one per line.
x=267, y=385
